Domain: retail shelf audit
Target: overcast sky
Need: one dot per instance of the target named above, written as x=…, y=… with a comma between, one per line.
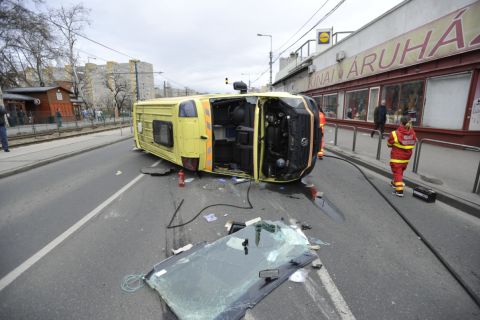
x=199, y=43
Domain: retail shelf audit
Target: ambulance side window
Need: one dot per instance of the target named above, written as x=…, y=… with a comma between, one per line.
x=187, y=109
x=163, y=133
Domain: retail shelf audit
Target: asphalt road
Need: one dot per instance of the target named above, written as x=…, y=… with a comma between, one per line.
x=374, y=268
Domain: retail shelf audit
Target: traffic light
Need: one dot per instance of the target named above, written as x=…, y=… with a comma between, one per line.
x=226, y=80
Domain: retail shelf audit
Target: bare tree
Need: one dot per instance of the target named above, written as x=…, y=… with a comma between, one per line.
x=26, y=43
x=107, y=102
x=82, y=88
x=120, y=89
x=70, y=21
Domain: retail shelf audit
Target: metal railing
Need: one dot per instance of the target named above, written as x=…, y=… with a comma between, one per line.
x=41, y=129
x=299, y=52
x=416, y=159
x=355, y=130
x=418, y=150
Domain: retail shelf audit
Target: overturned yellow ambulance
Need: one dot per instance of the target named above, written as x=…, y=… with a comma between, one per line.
x=271, y=137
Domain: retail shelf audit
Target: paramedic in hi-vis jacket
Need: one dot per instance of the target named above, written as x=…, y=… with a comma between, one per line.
x=323, y=120
x=402, y=141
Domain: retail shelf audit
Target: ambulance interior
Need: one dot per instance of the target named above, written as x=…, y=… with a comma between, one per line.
x=233, y=120
x=233, y=130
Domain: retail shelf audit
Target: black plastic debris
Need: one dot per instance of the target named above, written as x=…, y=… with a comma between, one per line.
x=245, y=246
x=233, y=226
x=306, y=226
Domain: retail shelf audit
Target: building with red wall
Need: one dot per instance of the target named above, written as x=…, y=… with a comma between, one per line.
x=49, y=100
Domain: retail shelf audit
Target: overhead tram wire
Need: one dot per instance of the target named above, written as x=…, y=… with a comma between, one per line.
x=97, y=42
x=117, y=51
x=313, y=15
x=261, y=74
x=316, y=24
x=146, y=72
x=92, y=55
x=176, y=82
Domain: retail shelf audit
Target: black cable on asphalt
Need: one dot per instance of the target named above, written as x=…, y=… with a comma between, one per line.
x=455, y=275
x=250, y=206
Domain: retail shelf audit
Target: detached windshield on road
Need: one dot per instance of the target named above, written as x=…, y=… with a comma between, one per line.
x=221, y=280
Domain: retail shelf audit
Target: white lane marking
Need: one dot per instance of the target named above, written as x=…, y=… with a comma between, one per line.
x=15, y=273
x=277, y=206
x=322, y=303
x=340, y=305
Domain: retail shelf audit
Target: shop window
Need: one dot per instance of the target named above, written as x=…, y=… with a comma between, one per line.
x=330, y=105
x=446, y=101
x=411, y=100
x=318, y=101
x=391, y=95
x=356, y=105
x=163, y=133
x=404, y=99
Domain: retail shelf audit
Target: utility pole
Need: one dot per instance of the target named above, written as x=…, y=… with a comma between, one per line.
x=271, y=87
x=271, y=56
x=164, y=88
x=186, y=91
x=136, y=79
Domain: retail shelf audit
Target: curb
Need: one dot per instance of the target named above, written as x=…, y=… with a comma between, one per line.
x=445, y=197
x=58, y=158
x=62, y=137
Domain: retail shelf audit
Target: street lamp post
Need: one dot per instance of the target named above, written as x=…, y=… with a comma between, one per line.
x=268, y=35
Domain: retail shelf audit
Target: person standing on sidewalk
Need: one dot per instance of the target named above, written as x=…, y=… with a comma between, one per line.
x=3, y=127
x=402, y=141
x=58, y=115
x=379, y=118
x=323, y=121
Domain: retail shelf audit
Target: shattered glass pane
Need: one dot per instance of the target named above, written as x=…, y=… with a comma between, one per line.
x=221, y=280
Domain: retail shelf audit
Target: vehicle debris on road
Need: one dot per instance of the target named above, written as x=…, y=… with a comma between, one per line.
x=299, y=276
x=210, y=217
x=184, y=248
x=318, y=241
x=239, y=277
x=233, y=226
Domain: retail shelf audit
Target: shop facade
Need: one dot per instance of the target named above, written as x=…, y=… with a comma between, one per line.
x=430, y=73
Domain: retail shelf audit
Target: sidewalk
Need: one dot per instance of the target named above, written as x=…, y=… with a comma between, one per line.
x=26, y=157
x=449, y=172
